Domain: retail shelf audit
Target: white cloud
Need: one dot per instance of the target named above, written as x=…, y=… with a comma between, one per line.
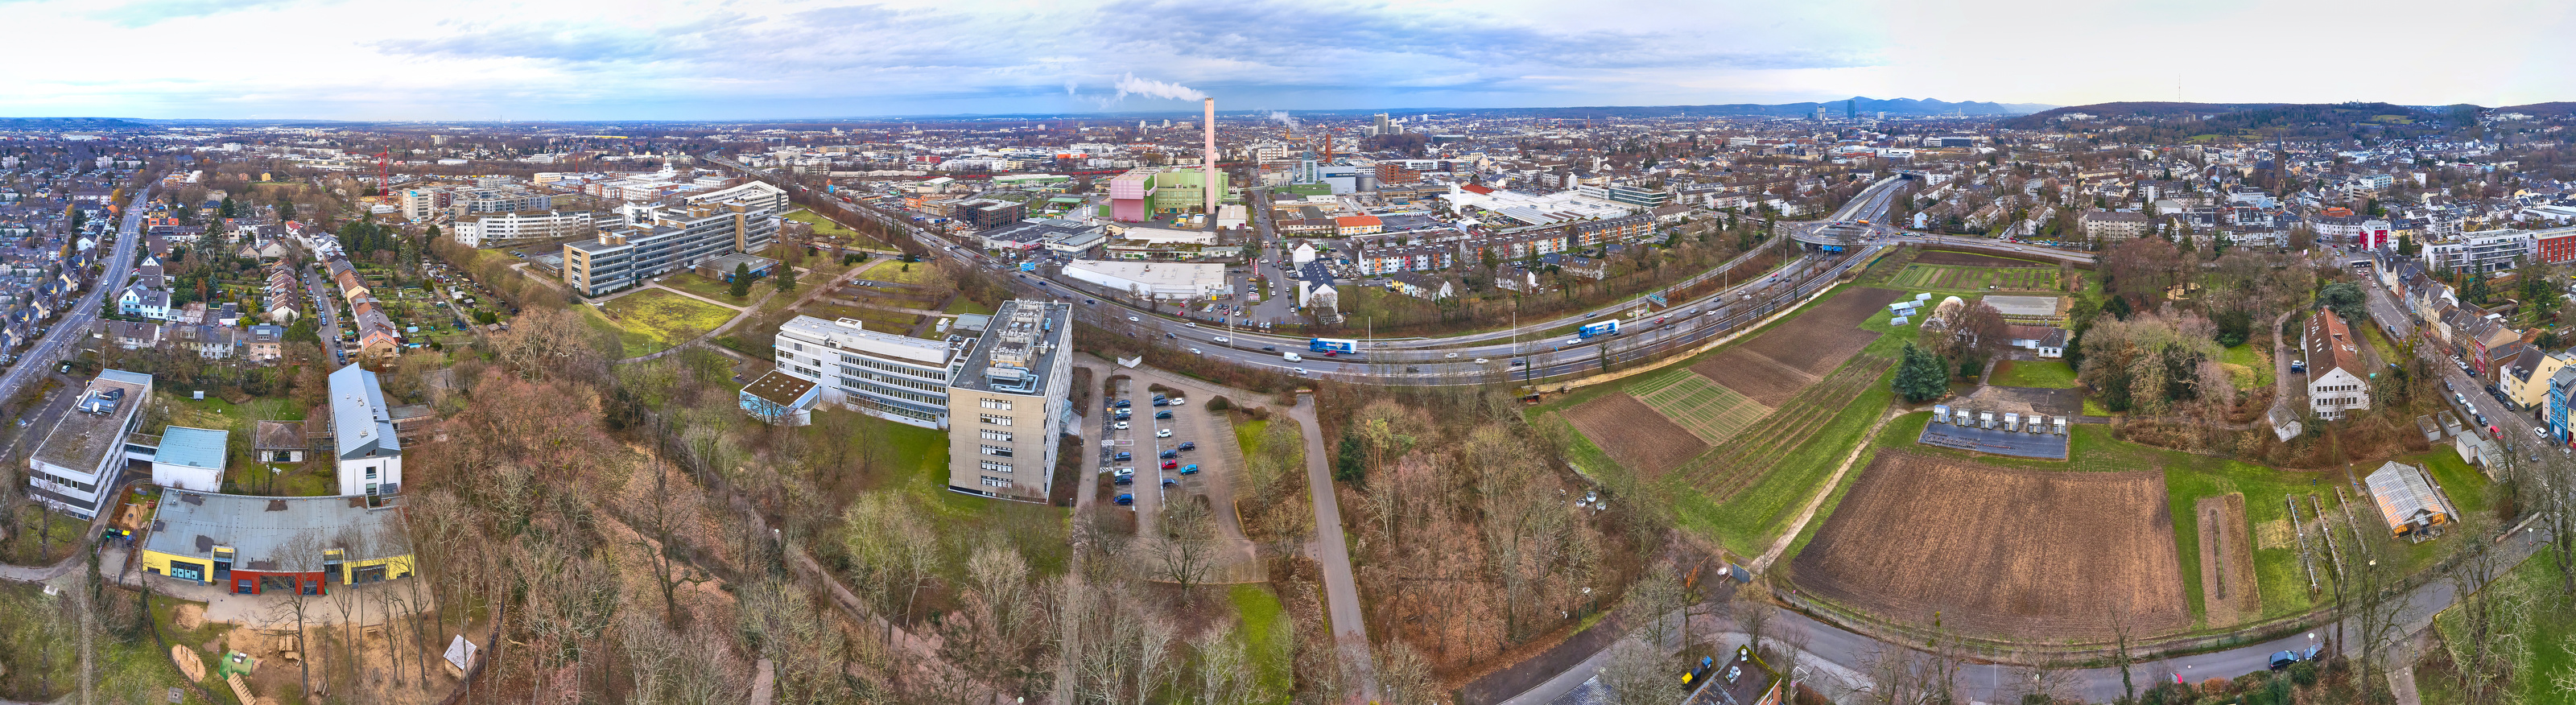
x=596, y=59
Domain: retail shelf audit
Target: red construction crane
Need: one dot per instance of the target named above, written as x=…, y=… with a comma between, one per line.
x=385, y=173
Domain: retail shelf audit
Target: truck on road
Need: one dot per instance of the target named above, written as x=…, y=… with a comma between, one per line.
x=1609, y=327
x=1333, y=345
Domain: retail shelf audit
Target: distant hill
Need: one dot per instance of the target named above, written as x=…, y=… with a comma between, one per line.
x=1907, y=107
x=2225, y=118
x=67, y=123
x=2556, y=109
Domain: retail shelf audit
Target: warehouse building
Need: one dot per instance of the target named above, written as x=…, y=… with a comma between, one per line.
x=1164, y=281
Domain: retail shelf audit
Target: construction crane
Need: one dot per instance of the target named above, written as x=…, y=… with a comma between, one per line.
x=385, y=173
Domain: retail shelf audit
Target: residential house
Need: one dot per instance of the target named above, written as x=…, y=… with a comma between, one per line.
x=2527, y=375
x=279, y=442
x=2048, y=342
x=2337, y=382
x=367, y=449
x=1422, y=285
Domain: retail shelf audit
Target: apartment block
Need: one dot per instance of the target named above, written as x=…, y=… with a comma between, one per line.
x=492, y=229
x=1009, y=402
x=665, y=239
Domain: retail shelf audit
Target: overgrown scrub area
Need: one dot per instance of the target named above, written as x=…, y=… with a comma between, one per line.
x=1468, y=540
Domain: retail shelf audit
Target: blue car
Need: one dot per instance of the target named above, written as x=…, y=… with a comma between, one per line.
x=1162, y=414
x=1123, y=480
x=1170, y=454
x=1169, y=482
x=2283, y=659
x=1124, y=456
x=1190, y=469
x=1189, y=445
x=1126, y=499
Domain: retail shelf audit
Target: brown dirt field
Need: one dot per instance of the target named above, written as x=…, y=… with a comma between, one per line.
x=2227, y=579
x=1755, y=375
x=2001, y=552
x=1773, y=366
x=1973, y=260
x=1633, y=434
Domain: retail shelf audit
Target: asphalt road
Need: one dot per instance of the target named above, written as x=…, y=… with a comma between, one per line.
x=64, y=337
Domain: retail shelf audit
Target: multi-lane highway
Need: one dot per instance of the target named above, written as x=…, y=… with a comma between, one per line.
x=64, y=338
x=1527, y=352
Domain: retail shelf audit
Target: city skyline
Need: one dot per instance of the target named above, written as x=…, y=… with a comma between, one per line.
x=500, y=59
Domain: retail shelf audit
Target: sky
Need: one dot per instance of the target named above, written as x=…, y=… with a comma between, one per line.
x=780, y=59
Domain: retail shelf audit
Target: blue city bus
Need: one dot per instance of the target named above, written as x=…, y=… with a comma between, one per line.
x=1333, y=345
x=1610, y=327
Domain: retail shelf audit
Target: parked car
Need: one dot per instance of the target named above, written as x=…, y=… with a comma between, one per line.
x=1169, y=454
x=1122, y=403
x=1170, y=464
x=1122, y=425
x=1163, y=433
x=1171, y=482
x=2283, y=659
x=1126, y=499
x=1123, y=480
x=1123, y=456
x=1162, y=414
x=1190, y=469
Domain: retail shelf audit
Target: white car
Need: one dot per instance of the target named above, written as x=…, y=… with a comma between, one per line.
x=1221, y=339
x=1165, y=433
x=1481, y=361
x=1133, y=319
x=1122, y=425
x=1450, y=356
x=1192, y=324
x=1195, y=351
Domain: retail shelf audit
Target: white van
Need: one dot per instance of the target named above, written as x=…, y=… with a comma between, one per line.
x=1291, y=357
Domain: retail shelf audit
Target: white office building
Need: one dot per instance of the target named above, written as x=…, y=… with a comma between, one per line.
x=493, y=229
x=895, y=377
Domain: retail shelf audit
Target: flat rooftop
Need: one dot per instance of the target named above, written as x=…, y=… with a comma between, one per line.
x=850, y=336
x=81, y=438
x=261, y=530
x=1019, y=347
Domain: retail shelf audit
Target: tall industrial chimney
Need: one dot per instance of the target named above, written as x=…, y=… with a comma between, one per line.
x=1207, y=161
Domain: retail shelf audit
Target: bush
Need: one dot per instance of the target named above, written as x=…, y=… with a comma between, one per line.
x=2304, y=673
x=1219, y=404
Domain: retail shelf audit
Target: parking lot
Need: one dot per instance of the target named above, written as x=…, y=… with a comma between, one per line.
x=1202, y=459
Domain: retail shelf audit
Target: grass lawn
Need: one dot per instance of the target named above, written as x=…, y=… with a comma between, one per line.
x=1247, y=433
x=712, y=289
x=2379, y=342
x=901, y=272
x=2251, y=365
x=2095, y=408
x=31, y=548
x=914, y=461
x=216, y=413
x=663, y=318
x=962, y=304
x=2050, y=374
x=630, y=342
x=825, y=227
x=1264, y=632
x=2545, y=661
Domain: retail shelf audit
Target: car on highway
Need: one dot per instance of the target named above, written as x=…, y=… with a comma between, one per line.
x=1133, y=319
x=1221, y=339
x=1450, y=356
x=1196, y=351
x=1481, y=361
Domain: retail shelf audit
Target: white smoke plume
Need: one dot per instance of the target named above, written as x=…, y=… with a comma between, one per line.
x=1284, y=118
x=1131, y=85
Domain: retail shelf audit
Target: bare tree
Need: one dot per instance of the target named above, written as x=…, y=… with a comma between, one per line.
x=299, y=554
x=1186, y=547
x=1654, y=599
x=1638, y=674
x=1404, y=677
x=660, y=515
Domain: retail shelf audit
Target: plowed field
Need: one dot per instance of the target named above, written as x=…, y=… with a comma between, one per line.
x=2001, y=552
x=1633, y=434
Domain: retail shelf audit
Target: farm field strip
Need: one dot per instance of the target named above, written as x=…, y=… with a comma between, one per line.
x=1953, y=277
x=1754, y=452
x=1634, y=434
x=1711, y=412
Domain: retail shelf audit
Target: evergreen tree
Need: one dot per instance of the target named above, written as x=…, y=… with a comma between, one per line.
x=741, y=280
x=1922, y=376
x=786, y=277
x=227, y=208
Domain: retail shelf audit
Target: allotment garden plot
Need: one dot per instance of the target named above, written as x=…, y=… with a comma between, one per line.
x=1775, y=365
x=2001, y=552
x=1633, y=433
x=1941, y=277
x=1711, y=412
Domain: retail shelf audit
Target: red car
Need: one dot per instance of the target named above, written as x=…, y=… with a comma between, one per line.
x=1169, y=464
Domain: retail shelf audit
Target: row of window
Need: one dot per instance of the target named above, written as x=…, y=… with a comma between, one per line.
x=882, y=378
x=992, y=435
x=991, y=420
x=65, y=482
x=990, y=481
x=1002, y=404
x=855, y=384
x=876, y=364
x=997, y=451
x=990, y=466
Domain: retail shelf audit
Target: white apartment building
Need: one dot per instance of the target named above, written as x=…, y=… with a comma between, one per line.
x=894, y=377
x=493, y=229
x=2486, y=251
x=75, y=466
x=1010, y=401
x=368, y=453
x=2335, y=382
